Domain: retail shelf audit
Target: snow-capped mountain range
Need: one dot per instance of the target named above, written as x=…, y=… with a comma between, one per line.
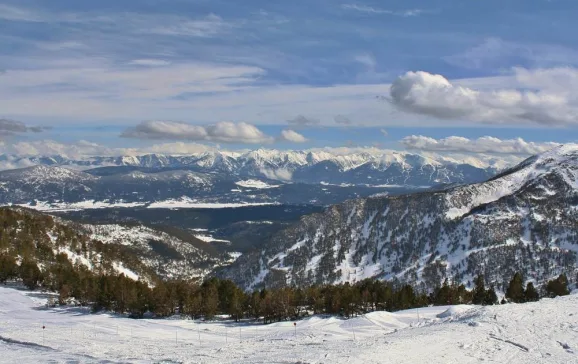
x=525, y=219
x=235, y=179
x=366, y=166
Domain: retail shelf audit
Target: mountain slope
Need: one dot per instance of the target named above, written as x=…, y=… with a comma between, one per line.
x=134, y=250
x=524, y=220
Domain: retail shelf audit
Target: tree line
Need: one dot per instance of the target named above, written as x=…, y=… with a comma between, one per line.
x=76, y=284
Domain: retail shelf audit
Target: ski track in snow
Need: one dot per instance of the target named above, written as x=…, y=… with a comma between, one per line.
x=542, y=332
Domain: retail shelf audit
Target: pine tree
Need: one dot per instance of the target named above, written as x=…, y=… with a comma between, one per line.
x=490, y=297
x=30, y=274
x=531, y=294
x=8, y=268
x=515, y=292
x=558, y=286
x=479, y=294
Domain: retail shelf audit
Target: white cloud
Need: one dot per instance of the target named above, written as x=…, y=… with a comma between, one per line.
x=50, y=147
x=206, y=27
x=149, y=62
x=176, y=148
x=292, y=136
x=139, y=23
x=433, y=95
x=373, y=10
x=496, y=53
x=367, y=60
x=281, y=174
x=222, y=132
x=485, y=144
x=82, y=149
x=365, y=9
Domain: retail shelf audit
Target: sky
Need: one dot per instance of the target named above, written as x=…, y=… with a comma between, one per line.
x=180, y=76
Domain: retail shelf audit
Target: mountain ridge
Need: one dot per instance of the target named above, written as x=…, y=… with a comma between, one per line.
x=308, y=166
x=524, y=220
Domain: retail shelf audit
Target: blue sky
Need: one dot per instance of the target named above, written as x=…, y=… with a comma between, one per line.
x=240, y=73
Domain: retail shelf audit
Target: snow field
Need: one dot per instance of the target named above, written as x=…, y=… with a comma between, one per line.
x=542, y=332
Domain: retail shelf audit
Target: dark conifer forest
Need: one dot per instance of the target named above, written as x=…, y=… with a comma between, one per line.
x=28, y=242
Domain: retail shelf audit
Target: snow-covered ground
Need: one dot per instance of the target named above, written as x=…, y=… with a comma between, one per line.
x=254, y=183
x=185, y=202
x=543, y=332
x=77, y=206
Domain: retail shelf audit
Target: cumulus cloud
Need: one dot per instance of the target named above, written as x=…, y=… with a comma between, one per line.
x=343, y=120
x=292, y=136
x=302, y=121
x=222, y=132
x=433, y=95
x=486, y=144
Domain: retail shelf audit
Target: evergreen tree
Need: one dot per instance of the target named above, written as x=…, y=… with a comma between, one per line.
x=30, y=274
x=479, y=294
x=490, y=297
x=531, y=293
x=515, y=292
x=8, y=268
x=558, y=286
x=210, y=300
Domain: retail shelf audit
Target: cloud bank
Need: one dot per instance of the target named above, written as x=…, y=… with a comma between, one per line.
x=11, y=127
x=485, y=144
x=221, y=132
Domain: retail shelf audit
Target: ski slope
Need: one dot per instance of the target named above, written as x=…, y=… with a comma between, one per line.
x=542, y=332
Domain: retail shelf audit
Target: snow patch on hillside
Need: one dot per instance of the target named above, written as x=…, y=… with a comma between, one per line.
x=77, y=206
x=186, y=202
x=253, y=183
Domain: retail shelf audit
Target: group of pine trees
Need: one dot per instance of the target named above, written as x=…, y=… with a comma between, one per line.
x=34, y=249
x=117, y=293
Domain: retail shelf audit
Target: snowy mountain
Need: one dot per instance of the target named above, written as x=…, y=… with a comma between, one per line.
x=58, y=188
x=525, y=219
x=369, y=166
x=135, y=250
x=318, y=177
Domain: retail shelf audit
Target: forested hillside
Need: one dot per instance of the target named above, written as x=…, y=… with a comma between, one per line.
x=524, y=220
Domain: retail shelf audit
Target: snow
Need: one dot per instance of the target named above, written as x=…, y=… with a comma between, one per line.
x=127, y=272
x=234, y=256
x=454, y=311
x=76, y=206
x=541, y=332
x=208, y=238
x=560, y=160
x=253, y=183
x=188, y=203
